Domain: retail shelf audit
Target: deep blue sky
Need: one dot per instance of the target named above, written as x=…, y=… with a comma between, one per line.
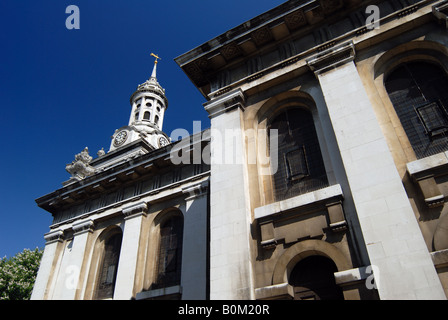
x=62, y=90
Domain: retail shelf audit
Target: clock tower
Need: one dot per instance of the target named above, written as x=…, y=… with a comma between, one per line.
x=148, y=106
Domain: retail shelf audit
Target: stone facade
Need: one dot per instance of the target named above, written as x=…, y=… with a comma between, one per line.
x=128, y=196
x=372, y=225
x=381, y=213
x=142, y=193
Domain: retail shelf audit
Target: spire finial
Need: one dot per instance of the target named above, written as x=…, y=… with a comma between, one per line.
x=153, y=75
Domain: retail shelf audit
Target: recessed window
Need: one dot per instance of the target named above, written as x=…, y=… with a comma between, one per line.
x=146, y=115
x=418, y=92
x=156, y=119
x=300, y=165
x=170, y=253
x=108, y=268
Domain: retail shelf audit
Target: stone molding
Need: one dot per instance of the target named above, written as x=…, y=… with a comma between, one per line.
x=440, y=11
x=300, y=201
x=225, y=103
x=423, y=171
x=328, y=199
x=156, y=191
x=158, y=293
x=440, y=258
x=195, y=191
x=135, y=210
x=83, y=227
x=298, y=24
x=282, y=291
x=332, y=57
x=351, y=276
x=303, y=249
x=54, y=236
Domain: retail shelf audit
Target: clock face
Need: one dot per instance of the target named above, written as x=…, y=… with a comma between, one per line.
x=163, y=141
x=120, y=138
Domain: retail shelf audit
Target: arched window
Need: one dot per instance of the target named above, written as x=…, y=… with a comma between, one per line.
x=136, y=116
x=156, y=119
x=419, y=94
x=170, y=252
x=108, y=266
x=313, y=279
x=300, y=165
x=146, y=115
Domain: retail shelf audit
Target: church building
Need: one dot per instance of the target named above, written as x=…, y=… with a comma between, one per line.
x=324, y=173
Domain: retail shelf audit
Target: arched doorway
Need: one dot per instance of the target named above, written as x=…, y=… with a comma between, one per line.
x=313, y=279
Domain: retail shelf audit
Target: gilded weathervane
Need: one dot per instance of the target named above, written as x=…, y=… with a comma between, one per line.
x=155, y=56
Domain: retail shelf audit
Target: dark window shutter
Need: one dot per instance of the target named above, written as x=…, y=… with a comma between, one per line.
x=300, y=165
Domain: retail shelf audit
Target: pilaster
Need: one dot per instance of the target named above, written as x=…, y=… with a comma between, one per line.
x=130, y=249
x=69, y=281
x=42, y=285
x=195, y=242
x=230, y=260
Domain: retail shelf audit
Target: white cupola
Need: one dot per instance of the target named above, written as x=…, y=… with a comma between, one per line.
x=149, y=102
x=148, y=106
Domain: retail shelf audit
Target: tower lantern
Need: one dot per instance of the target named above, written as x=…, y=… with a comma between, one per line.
x=148, y=106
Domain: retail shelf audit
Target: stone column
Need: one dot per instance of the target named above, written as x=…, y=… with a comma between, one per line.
x=195, y=242
x=127, y=265
x=402, y=264
x=42, y=285
x=230, y=259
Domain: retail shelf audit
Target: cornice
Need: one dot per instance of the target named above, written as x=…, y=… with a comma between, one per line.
x=208, y=64
x=175, y=189
x=97, y=182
